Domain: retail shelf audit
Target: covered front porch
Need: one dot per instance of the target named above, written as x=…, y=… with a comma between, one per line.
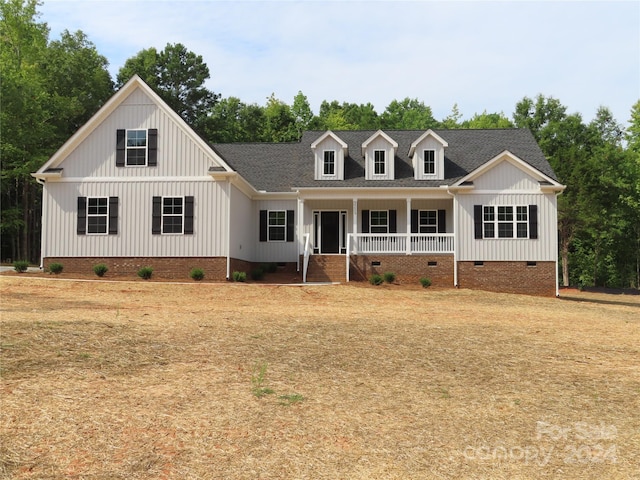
x=371, y=226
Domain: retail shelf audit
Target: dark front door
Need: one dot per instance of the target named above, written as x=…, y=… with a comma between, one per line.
x=330, y=232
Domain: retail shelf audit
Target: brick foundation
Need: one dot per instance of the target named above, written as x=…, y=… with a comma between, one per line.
x=408, y=268
x=509, y=277
x=174, y=268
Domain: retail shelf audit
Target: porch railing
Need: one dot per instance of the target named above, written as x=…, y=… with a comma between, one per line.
x=397, y=243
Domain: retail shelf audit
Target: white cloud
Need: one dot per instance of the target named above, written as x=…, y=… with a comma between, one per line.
x=481, y=55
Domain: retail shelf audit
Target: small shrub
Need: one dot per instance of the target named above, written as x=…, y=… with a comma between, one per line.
x=145, y=272
x=425, y=282
x=20, y=266
x=197, y=274
x=55, y=268
x=389, y=277
x=257, y=274
x=239, y=276
x=258, y=380
x=100, y=269
x=270, y=267
x=375, y=279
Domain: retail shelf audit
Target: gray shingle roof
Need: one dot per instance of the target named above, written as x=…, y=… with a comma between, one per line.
x=279, y=167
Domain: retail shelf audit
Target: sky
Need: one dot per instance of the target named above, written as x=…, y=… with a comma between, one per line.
x=480, y=55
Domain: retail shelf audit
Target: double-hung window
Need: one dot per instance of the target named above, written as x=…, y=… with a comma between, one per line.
x=429, y=164
x=505, y=221
x=276, y=226
x=97, y=215
x=428, y=221
x=379, y=222
x=379, y=162
x=329, y=162
x=136, y=148
x=172, y=214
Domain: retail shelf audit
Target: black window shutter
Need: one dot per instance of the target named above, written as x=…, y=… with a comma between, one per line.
x=289, y=225
x=156, y=223
x=533, y=221
x=477, y=221
x=188, y=215
x=393, y=223
x=120, y=147
x=365, y=221
x=442, y=221
x=113, y=215
x=263, y=225
x=152, y=135
x=414, y=221
x=82, y=216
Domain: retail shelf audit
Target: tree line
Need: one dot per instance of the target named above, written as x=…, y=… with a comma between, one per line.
x=50, y=88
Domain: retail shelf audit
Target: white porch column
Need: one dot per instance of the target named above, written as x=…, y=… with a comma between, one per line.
x=355, y=225
x=408, y=226
x=300, y=232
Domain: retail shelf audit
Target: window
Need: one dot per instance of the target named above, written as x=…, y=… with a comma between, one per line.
x=97, y=215
x=172, y=214
x=505, y=221
x=277, y=222
x=379, y=162
x=329, y=164
x=136, y=148
x=429, y=162
x=428, y=221
x=379, y=221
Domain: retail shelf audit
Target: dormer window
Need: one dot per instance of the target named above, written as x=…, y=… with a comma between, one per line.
x=429, y=159
x=379, y=162
x=329, y=163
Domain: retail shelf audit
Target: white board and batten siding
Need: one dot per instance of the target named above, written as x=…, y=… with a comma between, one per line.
x=281, y=251
x=178, y=154
x=135, y=204
x=507, y=184
x=244, y=227
x=380, y=143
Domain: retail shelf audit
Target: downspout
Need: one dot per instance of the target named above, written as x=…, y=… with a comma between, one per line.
x=41, y=181
x=455, y=238
x=228, y=229
x=556, y=247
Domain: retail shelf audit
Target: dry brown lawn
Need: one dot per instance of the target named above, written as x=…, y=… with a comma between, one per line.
x=132, y=380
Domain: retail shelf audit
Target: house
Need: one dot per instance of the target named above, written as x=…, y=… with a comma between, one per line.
x=137, y=186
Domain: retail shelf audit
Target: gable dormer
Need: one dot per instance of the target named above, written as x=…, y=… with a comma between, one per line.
x=427, y=156
x=379, y=152
x=329, y=153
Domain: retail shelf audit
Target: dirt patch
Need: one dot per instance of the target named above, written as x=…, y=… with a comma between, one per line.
x=159, y=380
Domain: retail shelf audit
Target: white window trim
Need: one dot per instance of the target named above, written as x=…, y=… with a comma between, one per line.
x=163, y=215
x=424, y=162
x=420, y=224
x=514, y=222
x=88, y=215
x=324, y=163
x=384, y=164
x=371, y=222
x=283, y=226
x=127, y=147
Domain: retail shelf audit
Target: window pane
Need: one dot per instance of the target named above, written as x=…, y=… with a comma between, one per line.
x=329, y=162
x=379, y=162
x=429, y=162
x=277, y=218
x=172, y=224
x=521, y=214
x=379, y=221
x=505, y=230
x=489, y=230
x=522, y=230
x=505, y=214
x=276, y=234
x=136, y=156
x=97, y=224
x=489, y=214
x=136, y=138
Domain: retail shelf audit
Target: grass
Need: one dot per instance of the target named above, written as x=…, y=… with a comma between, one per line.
x=133, y=380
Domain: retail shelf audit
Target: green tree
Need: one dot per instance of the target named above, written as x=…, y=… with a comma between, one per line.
x=279, y=122
x=452, y=120
x=302, y=115
x=178, y=76
x=234, y=121
x=487, y=121
x=408, y=114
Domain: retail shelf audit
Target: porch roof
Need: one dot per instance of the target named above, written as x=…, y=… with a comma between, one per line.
x=280, y=167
